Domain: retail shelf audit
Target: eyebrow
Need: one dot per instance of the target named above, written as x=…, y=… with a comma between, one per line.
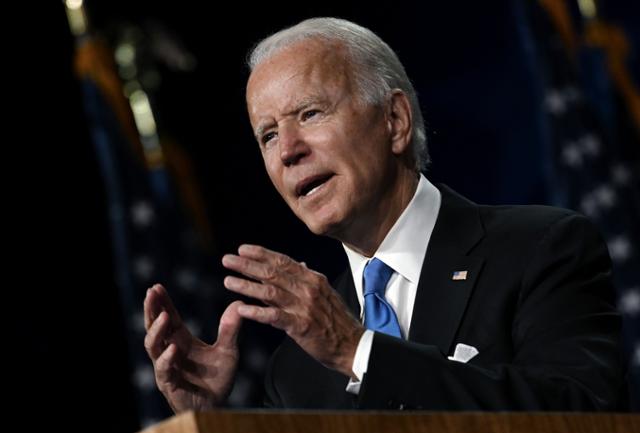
x=300, y=106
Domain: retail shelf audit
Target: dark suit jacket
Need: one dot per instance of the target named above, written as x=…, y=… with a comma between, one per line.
x=537, y=304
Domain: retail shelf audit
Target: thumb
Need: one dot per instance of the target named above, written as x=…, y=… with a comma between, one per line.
x=229, y=327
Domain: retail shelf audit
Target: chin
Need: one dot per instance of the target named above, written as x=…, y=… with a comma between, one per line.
x=317, y=228
x=317, y=224
x=325, y=221
x=323, y=227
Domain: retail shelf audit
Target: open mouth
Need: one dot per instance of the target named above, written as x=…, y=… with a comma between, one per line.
x=310, y=185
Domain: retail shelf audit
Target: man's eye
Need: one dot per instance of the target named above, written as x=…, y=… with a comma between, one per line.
x=267, y=137
x=309, y=114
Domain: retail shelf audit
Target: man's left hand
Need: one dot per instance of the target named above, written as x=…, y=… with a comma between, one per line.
x=299, y=301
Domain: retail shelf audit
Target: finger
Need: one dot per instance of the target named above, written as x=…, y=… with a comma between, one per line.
x=287, y=277
x=261, y=253
x=146, y=309
x=250, y=267
x=267, y=293
x=155, y=340
x=164, y=367
x=161, y=296
x=229, y=327
x=277, y=260
x=267, y=315
x=265, y=255
x=151, y=307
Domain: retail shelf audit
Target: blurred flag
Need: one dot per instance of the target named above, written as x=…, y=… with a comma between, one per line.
x=593, y=127
x=159, y=229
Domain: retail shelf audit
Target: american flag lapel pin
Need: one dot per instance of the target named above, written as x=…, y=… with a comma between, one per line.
x=459, y=275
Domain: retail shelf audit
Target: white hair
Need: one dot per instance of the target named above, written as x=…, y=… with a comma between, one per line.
x=377, y=69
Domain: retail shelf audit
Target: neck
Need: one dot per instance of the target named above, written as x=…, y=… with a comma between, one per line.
x=365, y=238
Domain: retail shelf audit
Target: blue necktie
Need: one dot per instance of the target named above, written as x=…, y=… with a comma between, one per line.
x=378, y=314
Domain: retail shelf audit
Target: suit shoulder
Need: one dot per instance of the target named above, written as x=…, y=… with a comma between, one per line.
x=532, y=219
x=523, y=219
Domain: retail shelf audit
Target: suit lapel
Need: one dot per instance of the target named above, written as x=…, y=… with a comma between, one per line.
x=335, y=382
x=345, y=287
x=441, y=298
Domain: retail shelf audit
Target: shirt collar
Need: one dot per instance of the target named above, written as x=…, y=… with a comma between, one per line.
x=404, y=247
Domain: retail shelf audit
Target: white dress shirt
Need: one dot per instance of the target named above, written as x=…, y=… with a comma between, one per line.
x=403, y=250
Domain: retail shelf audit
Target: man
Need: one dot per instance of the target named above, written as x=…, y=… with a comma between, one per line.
x=445, y=305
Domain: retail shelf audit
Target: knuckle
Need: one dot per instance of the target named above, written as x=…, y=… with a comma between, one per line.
x=282, y=261
x=304, y=326
x=270, y=273
x=270, y=293
x=148, y=342
x=308, y=312
x=242, y=284
x=163, y=381
x=321, y=279
x=163, y=365
x=312, y=292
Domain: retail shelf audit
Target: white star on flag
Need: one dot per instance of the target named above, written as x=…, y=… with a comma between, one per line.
x=144, y=378
x=606, y=196
x=572, y=155
x=619, y=248
x=143, y=267
x=555, y=102
x=630, y=301
x=620, y=174
x=142, y=214
x=590, y=145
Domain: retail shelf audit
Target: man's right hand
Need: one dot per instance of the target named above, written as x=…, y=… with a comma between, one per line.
x=191, y=374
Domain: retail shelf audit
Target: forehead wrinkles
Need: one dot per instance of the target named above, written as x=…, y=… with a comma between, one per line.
x=276, y=92
x=299, y=72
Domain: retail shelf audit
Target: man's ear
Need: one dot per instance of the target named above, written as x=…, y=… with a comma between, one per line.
x=400, y=121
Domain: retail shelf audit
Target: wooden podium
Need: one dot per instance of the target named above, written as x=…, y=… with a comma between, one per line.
x=268, y=421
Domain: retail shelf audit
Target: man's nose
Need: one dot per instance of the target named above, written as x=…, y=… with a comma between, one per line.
x=292, y=146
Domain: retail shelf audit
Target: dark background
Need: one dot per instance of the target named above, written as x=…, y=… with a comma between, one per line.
x=471, y=62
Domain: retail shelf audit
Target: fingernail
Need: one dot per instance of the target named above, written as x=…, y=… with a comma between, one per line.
x=228, y=259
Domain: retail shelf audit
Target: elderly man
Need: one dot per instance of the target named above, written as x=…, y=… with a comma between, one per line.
x=445, y=304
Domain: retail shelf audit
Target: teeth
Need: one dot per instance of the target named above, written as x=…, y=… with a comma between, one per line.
x=313, y=190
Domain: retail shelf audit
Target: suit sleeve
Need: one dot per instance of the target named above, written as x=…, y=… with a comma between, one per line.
x=271, y=397
x=565, y=336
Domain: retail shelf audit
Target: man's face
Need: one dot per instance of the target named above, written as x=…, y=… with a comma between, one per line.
x=327, y=153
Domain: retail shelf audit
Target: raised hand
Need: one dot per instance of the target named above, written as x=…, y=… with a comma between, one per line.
x=299, y=301
x=191, y=374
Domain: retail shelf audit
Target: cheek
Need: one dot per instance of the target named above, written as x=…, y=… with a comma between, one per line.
x=273, y=171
